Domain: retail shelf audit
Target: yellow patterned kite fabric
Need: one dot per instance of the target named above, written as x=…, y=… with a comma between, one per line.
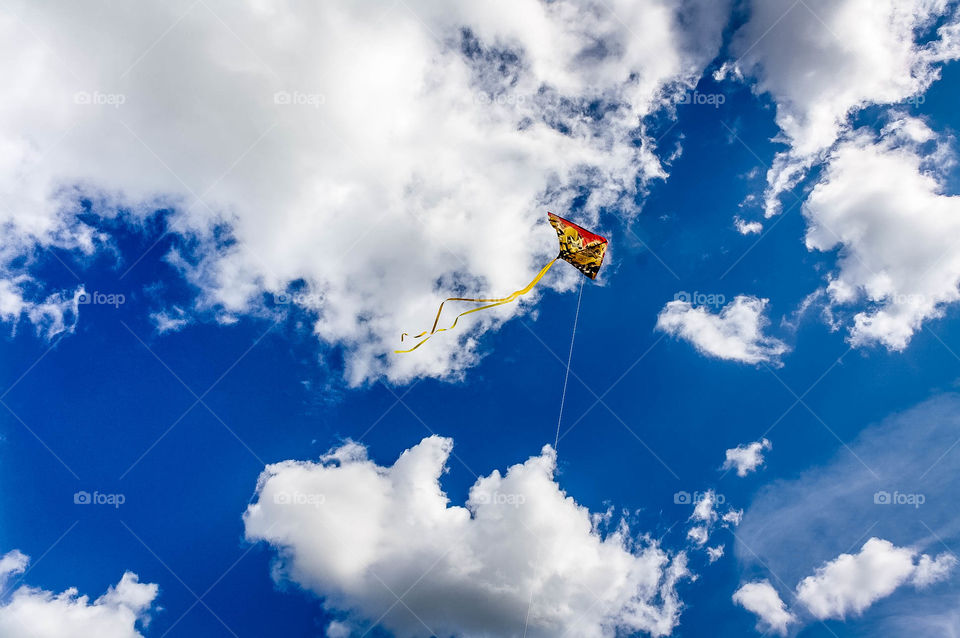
x=578, y=247
x=581, y=248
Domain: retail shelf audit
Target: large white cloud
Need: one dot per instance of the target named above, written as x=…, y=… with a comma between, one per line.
x=852, y=582
x=821, y=60
x=520, y=557
x=735, y=333
x=43, y=614
x=377, y=156
x=881, y=201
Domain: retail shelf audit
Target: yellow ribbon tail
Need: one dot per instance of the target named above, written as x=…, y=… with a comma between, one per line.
x=491, y=303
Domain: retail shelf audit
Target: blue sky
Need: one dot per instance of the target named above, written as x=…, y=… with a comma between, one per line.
x=262, y=258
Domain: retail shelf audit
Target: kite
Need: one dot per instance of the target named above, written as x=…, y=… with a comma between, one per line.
x=579, y=247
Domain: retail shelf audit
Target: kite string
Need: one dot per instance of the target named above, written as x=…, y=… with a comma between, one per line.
x=566, y=377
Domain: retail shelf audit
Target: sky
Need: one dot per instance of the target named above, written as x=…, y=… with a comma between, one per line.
x=219, y=217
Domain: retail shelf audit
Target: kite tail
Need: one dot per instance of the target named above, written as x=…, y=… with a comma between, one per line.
x=495, y=302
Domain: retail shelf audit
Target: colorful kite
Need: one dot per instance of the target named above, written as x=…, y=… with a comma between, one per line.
x=578, y=247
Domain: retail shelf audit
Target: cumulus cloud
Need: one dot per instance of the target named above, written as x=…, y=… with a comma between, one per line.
x=747, y=228
x=747, y=457
x=355, y=153
x=735, y=333
x=44, y=614
x=520, y=554
x=762, y=599
x=872, y=486
x=852, y=582
x=822, y=60
x=881, y=202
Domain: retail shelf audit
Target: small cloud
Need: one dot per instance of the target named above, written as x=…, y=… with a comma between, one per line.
x=733, y=517
x=746, y=458
x=762, y=599
x=698, y=535
x=747, y=228
x=733, y=334
x=172, y=320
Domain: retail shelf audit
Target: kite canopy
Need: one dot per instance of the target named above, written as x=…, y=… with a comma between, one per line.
x=579, y=247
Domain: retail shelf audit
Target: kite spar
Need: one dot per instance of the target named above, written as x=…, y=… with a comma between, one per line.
x=579, y=247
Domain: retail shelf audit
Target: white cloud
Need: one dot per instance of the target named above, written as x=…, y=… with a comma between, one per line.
x=353, y=531
x=704, y=510
x=13, y=562
x=808, y=521
x=933, y=570
x=705, y=516
x=170, y=320
x=747, y=457
x=735, y=333
x=747, y=228
x=42, y=614
x=881, y=202
x=852, y=582
x=715, y=553
x=698, y=535
x=763, y=600
x=822, y=60
x=378, y=156
x=733, y=517
x=50, y=316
